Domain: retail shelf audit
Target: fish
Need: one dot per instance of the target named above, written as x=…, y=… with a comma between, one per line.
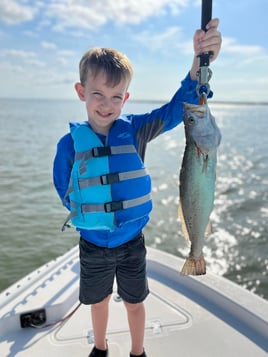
x=197, y=181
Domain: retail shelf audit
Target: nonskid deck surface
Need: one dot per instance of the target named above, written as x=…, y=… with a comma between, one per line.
x=205, y=316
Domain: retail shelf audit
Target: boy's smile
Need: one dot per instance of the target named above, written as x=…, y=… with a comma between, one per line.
x=103, y=102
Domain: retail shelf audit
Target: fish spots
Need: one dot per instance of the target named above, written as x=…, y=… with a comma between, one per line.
x=197, y=181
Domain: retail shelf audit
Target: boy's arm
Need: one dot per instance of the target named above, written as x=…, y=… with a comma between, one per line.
x=150, y=125
x=62, y=167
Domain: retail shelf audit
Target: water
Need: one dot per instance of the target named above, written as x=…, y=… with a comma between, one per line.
x=31, y=213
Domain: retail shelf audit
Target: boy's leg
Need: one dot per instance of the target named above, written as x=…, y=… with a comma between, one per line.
x=99, y=316
x=97, y=271
x=136, y=320
x=133, y=288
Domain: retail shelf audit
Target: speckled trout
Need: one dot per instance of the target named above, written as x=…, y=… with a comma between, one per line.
x=197, y=181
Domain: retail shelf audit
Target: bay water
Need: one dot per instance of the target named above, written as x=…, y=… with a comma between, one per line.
x=31, y=214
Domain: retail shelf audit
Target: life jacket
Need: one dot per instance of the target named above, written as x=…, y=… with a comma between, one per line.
x=109, y=185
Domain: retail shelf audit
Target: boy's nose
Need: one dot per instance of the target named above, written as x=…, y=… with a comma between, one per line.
x=105, y=102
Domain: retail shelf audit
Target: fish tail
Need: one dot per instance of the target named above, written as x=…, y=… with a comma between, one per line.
x=194, y=266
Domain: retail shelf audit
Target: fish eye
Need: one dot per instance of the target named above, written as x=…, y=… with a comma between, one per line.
x=191, y=120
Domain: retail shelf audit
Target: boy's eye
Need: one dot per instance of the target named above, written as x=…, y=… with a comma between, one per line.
x=117, y=97
x=100, y=96
x=97, y=94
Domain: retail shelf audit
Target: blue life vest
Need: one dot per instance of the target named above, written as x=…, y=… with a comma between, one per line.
x=109, y=185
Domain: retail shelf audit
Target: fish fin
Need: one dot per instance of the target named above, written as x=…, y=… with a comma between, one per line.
x=205, y=163
x=194, y=266
x=209, y=229
x=183, y=224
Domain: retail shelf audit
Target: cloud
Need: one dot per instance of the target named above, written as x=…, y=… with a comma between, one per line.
x=169, y=40
x=31, y=34
x=66, y=53
x=11, y=12
x=91, y=14
x=260, y=59
x=18, y=54
x=55, y=78
x=48, y=45
x=24, y=57
x=35, y=63
x=64, y=56
x=230, y=45
x=61, y=61
x=157, y=40
x=88, y=14
x=6, y=67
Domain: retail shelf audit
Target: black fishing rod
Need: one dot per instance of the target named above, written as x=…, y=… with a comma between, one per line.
x=204, y=73
x=206, y=13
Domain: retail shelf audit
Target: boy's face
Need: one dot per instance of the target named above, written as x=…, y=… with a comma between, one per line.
x=103, y=103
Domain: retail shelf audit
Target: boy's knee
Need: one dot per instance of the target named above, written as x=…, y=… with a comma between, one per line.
x=133, y=307
x=102, y=303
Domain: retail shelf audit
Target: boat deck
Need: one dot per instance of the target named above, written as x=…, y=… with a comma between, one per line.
x=185, y=316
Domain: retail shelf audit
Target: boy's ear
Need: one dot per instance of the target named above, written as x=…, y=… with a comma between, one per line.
x=80, y=90
x=126, y=96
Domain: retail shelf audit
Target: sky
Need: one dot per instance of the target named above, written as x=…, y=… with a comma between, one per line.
x=42, y=41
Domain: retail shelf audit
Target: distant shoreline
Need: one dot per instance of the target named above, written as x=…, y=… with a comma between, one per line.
x=211, y=101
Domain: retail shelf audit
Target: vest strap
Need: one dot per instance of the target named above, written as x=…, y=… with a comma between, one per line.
x=101, y=151
x=114, y=206
x=110, y=179
x=67, y=220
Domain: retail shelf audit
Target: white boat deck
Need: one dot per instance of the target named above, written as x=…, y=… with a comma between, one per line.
x=186, y=316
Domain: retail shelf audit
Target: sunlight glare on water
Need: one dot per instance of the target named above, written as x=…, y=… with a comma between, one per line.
x=32, y=215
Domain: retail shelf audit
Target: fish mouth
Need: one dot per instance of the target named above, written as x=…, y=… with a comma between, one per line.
x=204, y=138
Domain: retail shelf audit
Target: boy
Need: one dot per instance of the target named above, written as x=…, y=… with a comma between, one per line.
x=100, y=176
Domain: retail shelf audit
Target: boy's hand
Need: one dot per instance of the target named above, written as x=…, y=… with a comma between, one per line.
x=205, y=42
x=208, y=41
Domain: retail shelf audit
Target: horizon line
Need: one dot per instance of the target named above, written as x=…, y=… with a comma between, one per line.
x=235, y=102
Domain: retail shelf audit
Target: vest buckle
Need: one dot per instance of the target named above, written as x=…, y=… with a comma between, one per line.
x=109, y=179
x=113, y=206
x=101, y=151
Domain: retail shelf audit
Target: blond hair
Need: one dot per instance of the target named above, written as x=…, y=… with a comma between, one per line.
x=114, y=64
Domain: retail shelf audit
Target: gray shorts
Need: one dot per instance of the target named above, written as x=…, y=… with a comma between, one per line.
x=99, y=266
